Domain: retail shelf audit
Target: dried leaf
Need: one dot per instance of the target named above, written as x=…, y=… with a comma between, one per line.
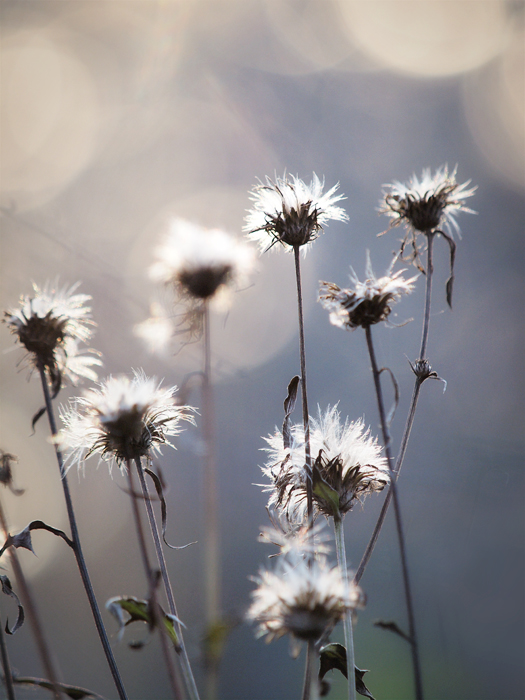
x=23, y=539
x=6, y=588
x=393, y=410
x=128, y=609
x=37, y=417
x=289, y=405
x=72, y=691
x=333, y=658
x=392, y=627
x=450, y=281
x=159, y=487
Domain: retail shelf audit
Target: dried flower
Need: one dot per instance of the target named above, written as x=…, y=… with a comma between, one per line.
x=347, y=466
x=369, y=302
x=50, y=325
x=290, y=212
x=6, y=472
x=426, y=204
x=301, y=598
x=123, y=419
x=294, y=536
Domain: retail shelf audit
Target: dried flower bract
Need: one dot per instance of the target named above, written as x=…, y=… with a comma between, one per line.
x=369, y=302
x=290, y=212
x=123, y=419
x=301, y=598
x=50, y=324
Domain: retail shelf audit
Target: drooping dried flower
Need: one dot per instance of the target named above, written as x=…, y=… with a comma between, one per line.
x=290, y=212
x=347, y=466
x=369, y=302
x=294, y=536
x=51, y=324
x=303, y=598
x=123, y=419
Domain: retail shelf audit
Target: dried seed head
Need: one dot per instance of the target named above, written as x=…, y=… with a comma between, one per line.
x=50, y=324
x=301, y=598
x=347, y=465
x=124, y=419
x=290, y=212
x=369, y=302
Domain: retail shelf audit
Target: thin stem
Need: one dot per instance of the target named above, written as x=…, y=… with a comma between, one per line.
x=397, y=511
x=347, y=624
x=185, y=662
x=177, y=691
x=211, y=511
x=307, y=674
x=31, y=612
x=6, y=666
x=304, y=395
x=313, y=681
x=410, y=418
x=77, y=546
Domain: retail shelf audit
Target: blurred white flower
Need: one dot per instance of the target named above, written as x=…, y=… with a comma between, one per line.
x=123, y=419
x=201, y=265
x=369, y=302
x=199, y=261
x=346, y=458
x=51, y=324
x=290, y=212
x=303, y=598
x=426, y=204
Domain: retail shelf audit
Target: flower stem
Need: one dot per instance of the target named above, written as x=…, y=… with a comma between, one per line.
x=349, y=637
x=211, y=512
x=185, y=662
x=304, y=395
x=312, y=666
x=77, y=546
x=6, y=666
x=409, y=421
x=31, y=612
x=397, y=511
x=150, y=576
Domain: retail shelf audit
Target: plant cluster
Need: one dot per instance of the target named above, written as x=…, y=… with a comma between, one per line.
x=317, y=470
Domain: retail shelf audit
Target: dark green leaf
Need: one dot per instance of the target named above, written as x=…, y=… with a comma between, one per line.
x=392, y=627
x=23, y=539
x=289, y=405
x=71, y=691
x=333, y=658
x=6, y=588
x=159, y=487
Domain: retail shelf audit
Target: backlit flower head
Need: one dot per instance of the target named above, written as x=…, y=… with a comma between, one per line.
x=200, y=264
x=294, y=536
x=51, y=324
x=347, y=466
x=125, y=418
x=290, y=212
x=430, y=202
x=303, y=598
x=369, y=302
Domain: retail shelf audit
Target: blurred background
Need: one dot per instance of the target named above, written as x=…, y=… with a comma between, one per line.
x=118, y=115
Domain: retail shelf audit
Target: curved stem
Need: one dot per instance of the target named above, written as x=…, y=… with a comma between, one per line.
x=410, y=418
x=150, y=577
x=185, y=662
x=397, y=512
x=31, y=611
x=349, y=637
x=77, y=546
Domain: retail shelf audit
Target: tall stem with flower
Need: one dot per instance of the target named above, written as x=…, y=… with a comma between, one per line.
x=50, y=325
x=126, y=420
